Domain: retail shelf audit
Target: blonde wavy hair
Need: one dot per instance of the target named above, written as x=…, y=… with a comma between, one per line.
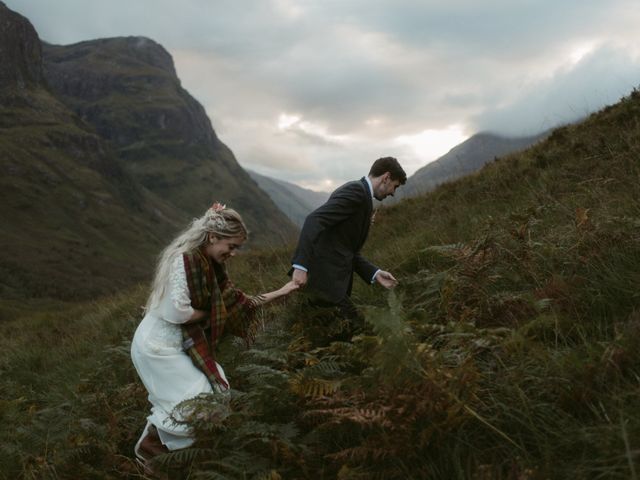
x=218, y=220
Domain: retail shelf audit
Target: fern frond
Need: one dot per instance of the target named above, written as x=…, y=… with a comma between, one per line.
x=313, y=387
x=272, y=356
x=239, y=463
x=370, y=417
x=184, y=456
x=255, y=373
x=270, y=475
x=323, y=367
x=210, y=475
x=362, y=454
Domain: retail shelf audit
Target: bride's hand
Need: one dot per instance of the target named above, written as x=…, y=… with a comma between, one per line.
x=283, y=291
x=289, y=287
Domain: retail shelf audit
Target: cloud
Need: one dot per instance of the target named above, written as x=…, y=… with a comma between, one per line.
x=359, y=74
x=599, y=78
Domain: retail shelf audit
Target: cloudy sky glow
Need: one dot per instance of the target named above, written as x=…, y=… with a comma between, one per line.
x=313, y=91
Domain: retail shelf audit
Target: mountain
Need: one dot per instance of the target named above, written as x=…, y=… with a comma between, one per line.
x=296, y=202
x=128, y=91
x=75, y=223
x=21, y=52
x=104, y=158
x=463, y=159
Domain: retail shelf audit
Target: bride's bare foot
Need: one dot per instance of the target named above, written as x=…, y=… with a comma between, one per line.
x=150, y=447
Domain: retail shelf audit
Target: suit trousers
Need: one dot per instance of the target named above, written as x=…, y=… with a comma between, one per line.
x=341, y=320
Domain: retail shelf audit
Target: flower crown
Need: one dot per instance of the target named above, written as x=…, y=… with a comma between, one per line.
x=214, y=214
x=217, y=207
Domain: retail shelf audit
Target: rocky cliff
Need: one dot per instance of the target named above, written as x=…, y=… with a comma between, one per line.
x=128, y=90
x=20, y=51
x=75, y=224
x=104, y=157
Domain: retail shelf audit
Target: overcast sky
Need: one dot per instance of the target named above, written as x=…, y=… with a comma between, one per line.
x=313, y=91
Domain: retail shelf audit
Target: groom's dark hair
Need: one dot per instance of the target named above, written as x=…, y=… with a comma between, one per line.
x=391, y=165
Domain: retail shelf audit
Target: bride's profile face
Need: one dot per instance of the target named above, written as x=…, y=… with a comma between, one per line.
x=221, y=249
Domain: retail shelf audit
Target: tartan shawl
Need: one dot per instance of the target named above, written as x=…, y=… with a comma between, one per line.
x=210, y=289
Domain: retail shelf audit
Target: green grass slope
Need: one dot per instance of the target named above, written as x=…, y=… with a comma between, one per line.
x=463, y=159
x=510, y=349
x=75, y=224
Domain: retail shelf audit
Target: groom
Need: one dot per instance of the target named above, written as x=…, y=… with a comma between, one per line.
x=332, y=236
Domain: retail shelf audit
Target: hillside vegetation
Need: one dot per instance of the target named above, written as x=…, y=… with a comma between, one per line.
x=510, y=350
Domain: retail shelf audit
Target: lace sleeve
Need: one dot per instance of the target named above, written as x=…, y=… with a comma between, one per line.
x=179, y=310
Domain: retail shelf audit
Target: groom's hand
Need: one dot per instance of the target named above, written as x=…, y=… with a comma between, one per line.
x=386, y=279
x=299, y=277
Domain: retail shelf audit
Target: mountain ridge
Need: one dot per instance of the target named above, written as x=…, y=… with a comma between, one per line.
x=78, y=221
x=467, y=157
x=21, y=51
x=61, y=192
x=127, y=89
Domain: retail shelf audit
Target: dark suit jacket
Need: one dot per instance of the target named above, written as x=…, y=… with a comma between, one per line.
x=331, y=239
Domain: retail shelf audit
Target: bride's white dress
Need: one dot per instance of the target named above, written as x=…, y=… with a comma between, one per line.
x=165, y=369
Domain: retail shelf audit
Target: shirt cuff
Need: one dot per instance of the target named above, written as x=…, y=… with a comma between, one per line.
x=300, y=267
x=373, y=279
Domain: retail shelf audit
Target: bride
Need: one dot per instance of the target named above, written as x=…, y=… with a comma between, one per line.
x=191, y=304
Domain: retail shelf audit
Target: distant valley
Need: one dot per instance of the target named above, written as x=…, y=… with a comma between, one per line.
x=294, y=201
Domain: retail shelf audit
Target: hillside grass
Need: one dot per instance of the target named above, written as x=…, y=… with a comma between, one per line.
x=67, y=206
x=510, y=349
